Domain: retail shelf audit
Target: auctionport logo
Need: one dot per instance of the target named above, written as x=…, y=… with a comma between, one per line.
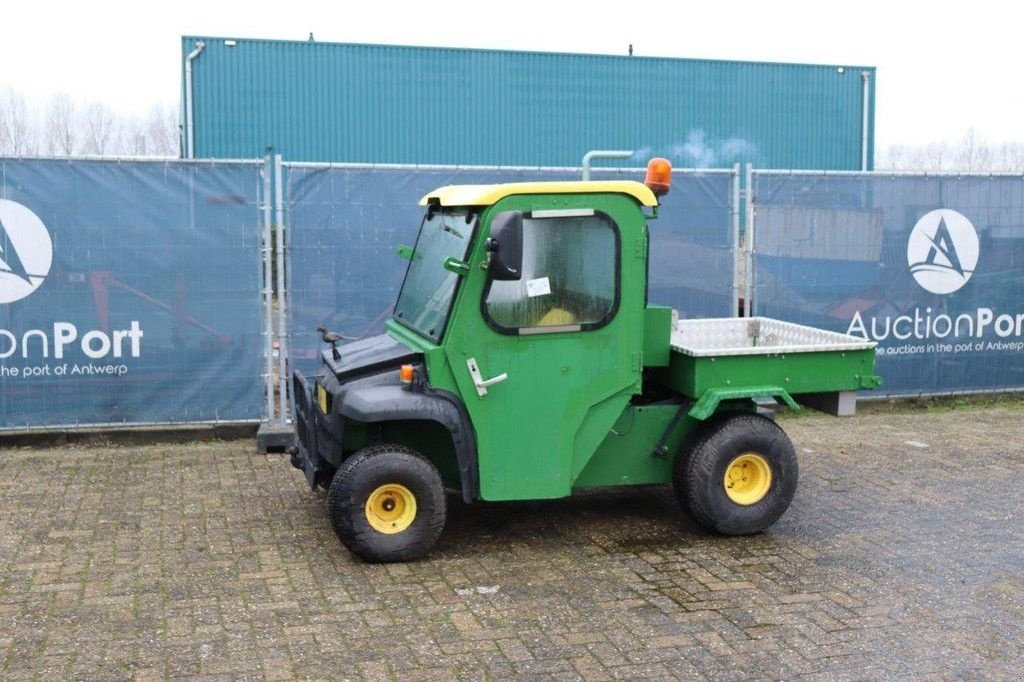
x=26, y=254
x=26, y=251
x=942, y=251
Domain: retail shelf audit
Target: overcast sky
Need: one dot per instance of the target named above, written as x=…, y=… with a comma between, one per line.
x=943, y=67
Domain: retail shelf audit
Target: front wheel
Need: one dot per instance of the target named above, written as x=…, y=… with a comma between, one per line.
x=739, y=477
x=387, y=504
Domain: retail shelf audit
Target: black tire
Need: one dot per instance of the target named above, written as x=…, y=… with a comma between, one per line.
x=700, y=474
x=366, y=472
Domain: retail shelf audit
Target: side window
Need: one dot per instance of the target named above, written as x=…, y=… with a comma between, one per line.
x=570, y=275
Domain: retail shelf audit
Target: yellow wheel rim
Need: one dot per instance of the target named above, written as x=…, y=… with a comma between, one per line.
x=747, y=478
x=391, y=508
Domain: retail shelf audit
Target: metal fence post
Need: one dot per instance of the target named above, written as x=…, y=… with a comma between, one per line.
x=268, y=292
x=736, y=249
x=276, y=433
x=749, y=260
x=282, y=299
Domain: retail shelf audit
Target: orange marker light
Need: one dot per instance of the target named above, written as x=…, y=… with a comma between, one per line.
x=405, y=374
x=659, y=175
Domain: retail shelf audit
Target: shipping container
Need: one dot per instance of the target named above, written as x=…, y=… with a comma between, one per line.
x=313, y=101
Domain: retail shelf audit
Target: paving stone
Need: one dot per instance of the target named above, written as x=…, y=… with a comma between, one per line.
x=206, y=560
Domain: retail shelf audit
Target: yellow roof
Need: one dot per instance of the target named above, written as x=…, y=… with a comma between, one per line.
x=485, y=195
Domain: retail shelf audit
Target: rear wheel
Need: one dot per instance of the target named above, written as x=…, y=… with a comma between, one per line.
x=739, y=476
x=387, y=504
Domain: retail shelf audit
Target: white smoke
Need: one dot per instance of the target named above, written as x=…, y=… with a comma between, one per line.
x=700, y=151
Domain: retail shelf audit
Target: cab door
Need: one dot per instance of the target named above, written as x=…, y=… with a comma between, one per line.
x=547, y=362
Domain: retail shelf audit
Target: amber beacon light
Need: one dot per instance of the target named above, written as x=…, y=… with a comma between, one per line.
x=659, y=175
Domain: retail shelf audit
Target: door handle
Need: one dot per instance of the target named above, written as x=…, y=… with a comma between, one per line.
x=478, y=380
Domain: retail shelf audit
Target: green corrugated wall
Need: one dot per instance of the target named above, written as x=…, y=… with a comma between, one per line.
x=336, y=102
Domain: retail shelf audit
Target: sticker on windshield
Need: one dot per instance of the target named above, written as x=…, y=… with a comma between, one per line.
x=538, y=287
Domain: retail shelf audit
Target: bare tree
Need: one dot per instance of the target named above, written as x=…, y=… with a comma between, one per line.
x=64, y=129
x=17, y=135
x=61, y=128
x=162, y=131
x=893, y=158
x=98, y=126
x=6, y=135
x=914, y=160
x=935, y=156
x=131, y=137
x=973, y=154
x=1010, y=157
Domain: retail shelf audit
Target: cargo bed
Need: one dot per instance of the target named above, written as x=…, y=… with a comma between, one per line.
x=714, y=359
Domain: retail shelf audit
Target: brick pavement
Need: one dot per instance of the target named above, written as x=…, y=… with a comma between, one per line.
x=204, y=559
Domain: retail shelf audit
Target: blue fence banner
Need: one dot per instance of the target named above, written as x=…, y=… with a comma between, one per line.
x=344, y=224
x=931, y=267
x=129, y=292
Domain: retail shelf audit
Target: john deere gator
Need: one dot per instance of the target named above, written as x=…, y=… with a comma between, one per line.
x=524, y=361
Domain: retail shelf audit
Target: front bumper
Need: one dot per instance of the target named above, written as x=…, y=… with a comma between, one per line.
x=306, y=453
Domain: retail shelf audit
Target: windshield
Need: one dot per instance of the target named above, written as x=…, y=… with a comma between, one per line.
x=429, y=289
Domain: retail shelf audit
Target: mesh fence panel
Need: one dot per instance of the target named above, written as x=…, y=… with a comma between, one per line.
x=148, y=309
x=932, y=267
x=345, y=223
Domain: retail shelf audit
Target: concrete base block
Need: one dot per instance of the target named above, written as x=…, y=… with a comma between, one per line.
x=274, y=437
x=840, y=404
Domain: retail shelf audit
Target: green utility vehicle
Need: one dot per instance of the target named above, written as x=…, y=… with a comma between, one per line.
x=523, y=361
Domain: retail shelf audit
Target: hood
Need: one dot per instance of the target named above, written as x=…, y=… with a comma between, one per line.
x=369, y=355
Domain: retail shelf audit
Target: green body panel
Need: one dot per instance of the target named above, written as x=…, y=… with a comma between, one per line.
x=433, y=355
x=657, y=331
x=594, y=429
x=713, y=397
x=625, y=457
x=816, y=372
x=564, y=389
x=409, y=338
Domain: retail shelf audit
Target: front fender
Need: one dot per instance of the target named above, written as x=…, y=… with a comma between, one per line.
x=380, y=399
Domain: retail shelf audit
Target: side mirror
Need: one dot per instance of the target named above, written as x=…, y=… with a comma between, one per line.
x=506, y=246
